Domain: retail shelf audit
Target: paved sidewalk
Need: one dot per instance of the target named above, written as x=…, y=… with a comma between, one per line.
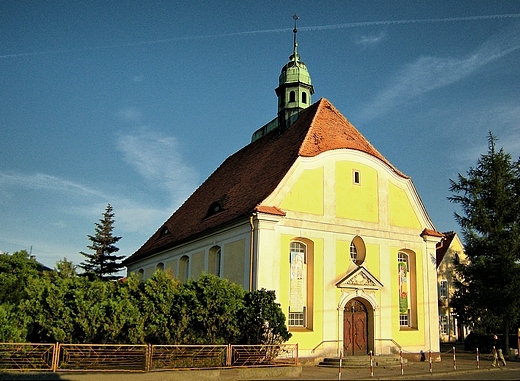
x=465, y=363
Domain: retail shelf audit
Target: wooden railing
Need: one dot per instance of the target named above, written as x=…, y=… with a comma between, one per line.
x=140, y=358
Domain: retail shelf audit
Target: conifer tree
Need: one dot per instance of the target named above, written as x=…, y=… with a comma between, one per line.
x=103, y=263
x=488, y=296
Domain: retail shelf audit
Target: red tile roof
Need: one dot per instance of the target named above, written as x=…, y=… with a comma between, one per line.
x=247, y=177
x=443, y=246
x=431, y=233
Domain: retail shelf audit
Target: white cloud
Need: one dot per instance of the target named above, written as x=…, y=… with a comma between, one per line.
x=158, y=159
x=368, y=40
x=130, y=114
x=430, y=73
x=502, y=120
x=40, y=181
x=131, y=216
x=79, y=200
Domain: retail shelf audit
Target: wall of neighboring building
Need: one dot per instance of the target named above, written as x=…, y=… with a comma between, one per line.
x=450, y=328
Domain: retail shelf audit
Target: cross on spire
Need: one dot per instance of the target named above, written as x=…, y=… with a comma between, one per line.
x=295, y=31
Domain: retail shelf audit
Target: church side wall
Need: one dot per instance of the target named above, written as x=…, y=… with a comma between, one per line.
x=234, y=257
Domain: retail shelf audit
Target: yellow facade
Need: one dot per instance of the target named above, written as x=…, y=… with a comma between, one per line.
x=380, y=210
x=356, y=200
x=309, y=187
x=332, y=203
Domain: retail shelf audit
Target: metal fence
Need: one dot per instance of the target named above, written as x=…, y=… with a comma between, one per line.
x=140, y=358
x=28, y=356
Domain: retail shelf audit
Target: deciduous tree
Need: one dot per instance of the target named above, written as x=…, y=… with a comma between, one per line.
x=15, y=271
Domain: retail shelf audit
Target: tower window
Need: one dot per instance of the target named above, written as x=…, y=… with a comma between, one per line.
x=292, y=96
x=304, y=97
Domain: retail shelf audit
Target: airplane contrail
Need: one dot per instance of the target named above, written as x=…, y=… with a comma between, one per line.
x=281, y=30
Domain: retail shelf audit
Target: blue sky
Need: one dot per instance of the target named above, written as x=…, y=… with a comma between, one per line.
x=135, y=103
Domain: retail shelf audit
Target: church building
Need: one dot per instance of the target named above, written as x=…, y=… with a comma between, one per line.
x=310, y=209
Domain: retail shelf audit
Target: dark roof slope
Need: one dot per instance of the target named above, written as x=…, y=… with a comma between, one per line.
x=443, y=246
x=246, y=178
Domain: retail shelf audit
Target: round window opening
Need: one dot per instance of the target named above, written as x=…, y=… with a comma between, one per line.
x=357, y=251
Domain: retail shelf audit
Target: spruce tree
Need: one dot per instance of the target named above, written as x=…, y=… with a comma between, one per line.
x=488, y=296
x=103, y=263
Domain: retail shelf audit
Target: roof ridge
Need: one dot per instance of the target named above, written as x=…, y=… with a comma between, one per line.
x=311, y=124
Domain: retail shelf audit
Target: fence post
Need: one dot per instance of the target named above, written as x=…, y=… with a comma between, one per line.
x=478, y=361
x=401, y=360
x=371, y=365
x=148, y=358
x=55, y=357
x=340, y=363
x=229, y=352
x=454, y=360
x=297, y=358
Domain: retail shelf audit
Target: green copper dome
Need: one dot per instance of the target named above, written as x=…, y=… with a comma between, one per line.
x=294, y=92
x=295, y=71
x=294, y=89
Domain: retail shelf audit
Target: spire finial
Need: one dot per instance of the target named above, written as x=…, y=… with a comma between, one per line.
x=295, y=31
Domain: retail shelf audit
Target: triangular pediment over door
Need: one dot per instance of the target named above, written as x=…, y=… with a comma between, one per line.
x=360, y=278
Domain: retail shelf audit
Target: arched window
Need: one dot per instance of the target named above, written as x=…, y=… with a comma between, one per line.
x=214, y=259
x=184, y=268
x=292, y=96
x=298, y=284
x=160, y=266
x=407, y=289
x=304, y=97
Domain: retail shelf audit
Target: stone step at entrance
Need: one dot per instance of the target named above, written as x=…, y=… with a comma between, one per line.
x=362, y=361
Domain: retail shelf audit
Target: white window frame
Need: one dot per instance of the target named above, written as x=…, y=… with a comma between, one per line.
x=299, y=318
x=444, y=324
x=443, y=288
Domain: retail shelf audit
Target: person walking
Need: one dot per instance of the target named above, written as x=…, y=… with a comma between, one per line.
x=497, y=351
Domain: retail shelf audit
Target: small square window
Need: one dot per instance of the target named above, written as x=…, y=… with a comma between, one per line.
x=297, y=319
x=444, y=323
x=357, y=177
x=404, y=319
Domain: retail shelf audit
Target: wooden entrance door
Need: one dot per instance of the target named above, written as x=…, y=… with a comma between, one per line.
x=355, y=329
